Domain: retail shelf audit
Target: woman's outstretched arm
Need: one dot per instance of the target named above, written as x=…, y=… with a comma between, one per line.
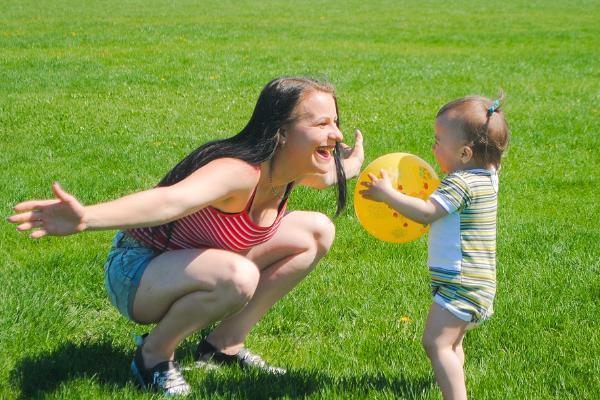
x=65, y=215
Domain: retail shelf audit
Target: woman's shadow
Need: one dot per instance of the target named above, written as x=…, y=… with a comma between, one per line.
x=42, y=374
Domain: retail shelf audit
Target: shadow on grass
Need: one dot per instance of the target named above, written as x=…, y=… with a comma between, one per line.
x=42, y=374
x=303, y=383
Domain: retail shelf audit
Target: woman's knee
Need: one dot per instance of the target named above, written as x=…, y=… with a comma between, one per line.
x=239, y=280
x=323, y=233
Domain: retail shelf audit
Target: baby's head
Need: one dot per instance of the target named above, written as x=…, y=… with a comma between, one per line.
x=471, y=132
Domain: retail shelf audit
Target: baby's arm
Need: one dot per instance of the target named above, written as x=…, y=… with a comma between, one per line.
x=421, y=211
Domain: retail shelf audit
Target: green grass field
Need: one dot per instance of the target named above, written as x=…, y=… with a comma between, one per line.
x=106, y=96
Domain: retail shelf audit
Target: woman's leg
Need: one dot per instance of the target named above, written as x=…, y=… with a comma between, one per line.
x=442, y=338
x=185, y=290
x=302, y=240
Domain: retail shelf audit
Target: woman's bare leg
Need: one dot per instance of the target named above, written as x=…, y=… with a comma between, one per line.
x=302, y=240
x=185, y=290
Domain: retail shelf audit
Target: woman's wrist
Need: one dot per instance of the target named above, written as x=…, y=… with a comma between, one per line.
x=352, y=167
x=86, y=222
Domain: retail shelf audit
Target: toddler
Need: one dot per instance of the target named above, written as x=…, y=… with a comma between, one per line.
x=470, y=136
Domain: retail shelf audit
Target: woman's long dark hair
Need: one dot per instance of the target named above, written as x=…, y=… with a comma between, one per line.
x=261, y=137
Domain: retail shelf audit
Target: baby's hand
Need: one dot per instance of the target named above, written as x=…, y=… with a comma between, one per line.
x=379, y=188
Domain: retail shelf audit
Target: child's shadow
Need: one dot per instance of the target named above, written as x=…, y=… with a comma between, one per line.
x=42, y=374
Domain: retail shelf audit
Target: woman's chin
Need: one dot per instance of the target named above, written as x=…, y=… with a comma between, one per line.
x=323, y=164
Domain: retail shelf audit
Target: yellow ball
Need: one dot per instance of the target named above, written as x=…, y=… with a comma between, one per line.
x=410, y=175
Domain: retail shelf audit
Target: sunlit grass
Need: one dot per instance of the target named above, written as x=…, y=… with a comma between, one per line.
x=105, y=97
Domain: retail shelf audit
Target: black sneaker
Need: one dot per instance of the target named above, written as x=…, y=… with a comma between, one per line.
x=164, y=377
x=207, y=356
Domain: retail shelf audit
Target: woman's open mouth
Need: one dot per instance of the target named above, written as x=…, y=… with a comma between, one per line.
x=325, y=152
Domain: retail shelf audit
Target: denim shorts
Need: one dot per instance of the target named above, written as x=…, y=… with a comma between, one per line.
x=123, y=270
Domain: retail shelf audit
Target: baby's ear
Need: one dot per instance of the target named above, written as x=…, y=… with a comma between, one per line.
x=466, y=153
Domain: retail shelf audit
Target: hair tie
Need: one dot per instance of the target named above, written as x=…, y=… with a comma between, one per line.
x=495, y=106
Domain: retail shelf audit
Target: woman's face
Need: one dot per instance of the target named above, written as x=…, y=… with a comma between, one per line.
x=310, y=139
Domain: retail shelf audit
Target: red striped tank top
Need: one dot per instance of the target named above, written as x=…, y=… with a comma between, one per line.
x=211, y=228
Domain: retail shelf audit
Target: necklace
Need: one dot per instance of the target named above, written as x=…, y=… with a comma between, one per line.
x=273, y=190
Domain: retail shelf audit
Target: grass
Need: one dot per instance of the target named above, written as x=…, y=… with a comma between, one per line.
x=107, y=96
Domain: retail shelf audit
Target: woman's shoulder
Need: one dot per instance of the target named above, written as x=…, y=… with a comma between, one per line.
x=236, y=179
x=235, y=170
x=236, y=163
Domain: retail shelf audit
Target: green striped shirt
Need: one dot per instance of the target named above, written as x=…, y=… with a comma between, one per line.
x=462, y=244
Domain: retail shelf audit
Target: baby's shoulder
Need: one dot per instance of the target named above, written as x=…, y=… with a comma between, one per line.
x=470, y=176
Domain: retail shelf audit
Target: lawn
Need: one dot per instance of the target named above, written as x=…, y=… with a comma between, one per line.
x=106, y=96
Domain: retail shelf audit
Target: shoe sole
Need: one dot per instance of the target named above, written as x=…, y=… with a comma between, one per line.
x=209, y=366
x=138, y=376
x=140, y=382
x=205, y=365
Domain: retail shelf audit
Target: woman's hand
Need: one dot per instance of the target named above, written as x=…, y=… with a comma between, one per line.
x=378, y=189
x=58, y=217
x=353, y=157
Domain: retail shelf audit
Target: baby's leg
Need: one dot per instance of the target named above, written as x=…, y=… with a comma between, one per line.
x=460, y=353
x=442, y=341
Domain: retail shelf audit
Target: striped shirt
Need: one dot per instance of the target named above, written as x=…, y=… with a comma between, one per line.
x=462, y=245
x=211, y=228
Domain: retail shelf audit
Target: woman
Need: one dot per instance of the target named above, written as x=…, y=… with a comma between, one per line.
x=213, y=241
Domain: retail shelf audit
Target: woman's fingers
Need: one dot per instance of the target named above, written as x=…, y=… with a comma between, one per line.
x=29, y=225
x=61, y=194
x=38, y=234
x=345, y=149
x=34, y=215
x=358, y=137
x=34, y=204
x=49, y=217
x=358, y=145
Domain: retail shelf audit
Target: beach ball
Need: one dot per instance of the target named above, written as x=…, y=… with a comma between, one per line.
x=410, y=175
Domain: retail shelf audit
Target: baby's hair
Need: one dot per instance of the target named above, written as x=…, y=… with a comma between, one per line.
x=482, y=123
